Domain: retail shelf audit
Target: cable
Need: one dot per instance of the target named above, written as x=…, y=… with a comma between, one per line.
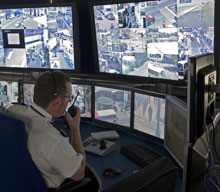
x=214, y=142
x=213, y=182
x=213, y=135
x=208, y=139
x=211, y=154
x=209, y=144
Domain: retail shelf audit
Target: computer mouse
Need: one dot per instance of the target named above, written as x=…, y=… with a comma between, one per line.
x=111, y=172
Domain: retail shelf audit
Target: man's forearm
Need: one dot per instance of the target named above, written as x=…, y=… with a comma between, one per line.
x=77, y=144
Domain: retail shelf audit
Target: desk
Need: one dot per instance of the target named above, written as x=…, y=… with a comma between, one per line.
x=116, y=159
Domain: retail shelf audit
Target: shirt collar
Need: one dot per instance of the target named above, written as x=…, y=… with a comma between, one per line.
x=42, y=111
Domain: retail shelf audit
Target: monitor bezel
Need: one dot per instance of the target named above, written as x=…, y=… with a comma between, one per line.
x=75, y=29
x=181, y=105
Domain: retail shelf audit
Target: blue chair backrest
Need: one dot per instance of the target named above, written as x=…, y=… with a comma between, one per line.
x=18, y=172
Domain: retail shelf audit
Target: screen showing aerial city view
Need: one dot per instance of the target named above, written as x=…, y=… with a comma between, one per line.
x=113, y=105
x=39, y=37
x=149, y=115
x=153, y=38
x=8, y=93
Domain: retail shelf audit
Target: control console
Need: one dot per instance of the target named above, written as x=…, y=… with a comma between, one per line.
x=98, y=147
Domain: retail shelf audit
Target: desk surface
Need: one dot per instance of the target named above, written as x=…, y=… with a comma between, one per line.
x=116, y=159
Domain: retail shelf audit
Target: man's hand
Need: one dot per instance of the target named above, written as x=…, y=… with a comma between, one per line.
x=74, y=122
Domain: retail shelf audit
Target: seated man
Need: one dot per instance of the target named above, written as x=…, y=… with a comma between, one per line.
x=50, y=149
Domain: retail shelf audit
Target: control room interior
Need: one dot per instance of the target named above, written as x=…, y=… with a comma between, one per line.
x=173, y=109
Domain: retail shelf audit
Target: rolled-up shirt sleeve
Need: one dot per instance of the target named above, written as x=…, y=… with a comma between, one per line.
x=64, y=158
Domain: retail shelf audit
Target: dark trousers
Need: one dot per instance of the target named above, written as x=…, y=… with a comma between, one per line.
x=89, y=183
x=69, y=185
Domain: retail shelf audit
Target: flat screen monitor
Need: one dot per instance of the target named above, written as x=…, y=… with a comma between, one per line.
x=149, y=114
x=151, y=39
x=195, y=102
x=175, y=138
x=83, y=100
x=8, y=93
x=39, y=37
x=113, y=105
x=199, y=99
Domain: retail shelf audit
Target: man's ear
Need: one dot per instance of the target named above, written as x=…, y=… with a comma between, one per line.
x=54, y=106
x=56, y=101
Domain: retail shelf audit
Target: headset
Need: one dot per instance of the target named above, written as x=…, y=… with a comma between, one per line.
x=54, y=92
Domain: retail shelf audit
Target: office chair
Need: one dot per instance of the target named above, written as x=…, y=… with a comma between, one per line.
x=18, y=173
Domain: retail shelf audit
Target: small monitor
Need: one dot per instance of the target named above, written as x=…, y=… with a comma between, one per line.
x=83, y=100
x=39, y=37
x=149, y=114
x=9, y=93
x=113, y=105
x=196, y=102
x=175, y=138
x=151, y=39
x=200, y=102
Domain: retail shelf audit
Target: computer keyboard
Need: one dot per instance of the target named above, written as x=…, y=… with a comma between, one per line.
x=140, y=154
